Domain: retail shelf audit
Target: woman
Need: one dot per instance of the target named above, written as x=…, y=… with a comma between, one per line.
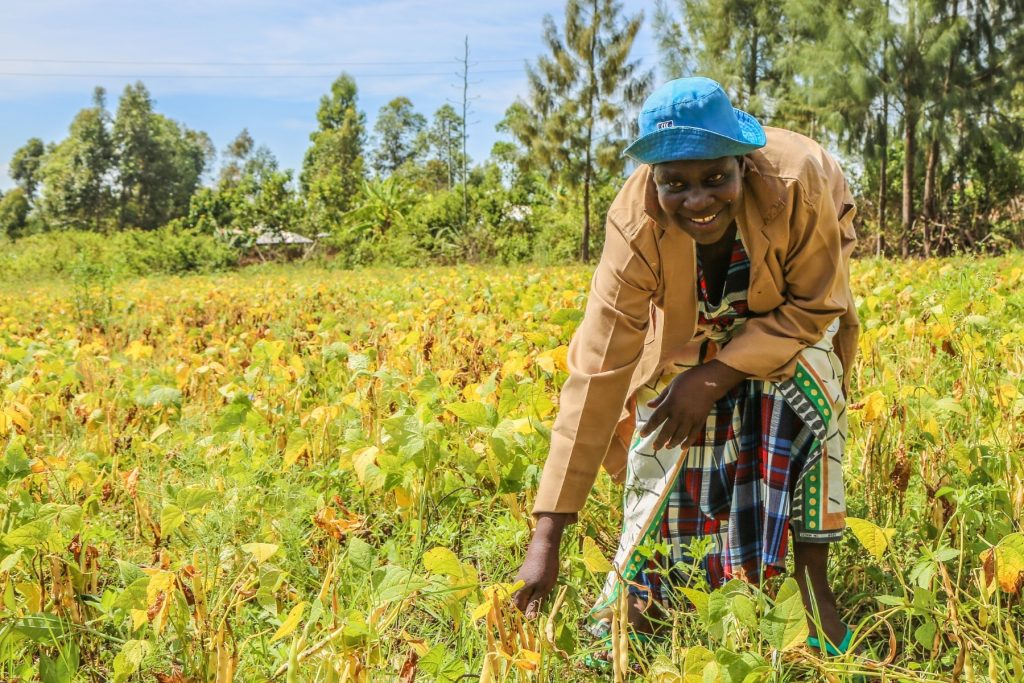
x=720, y=327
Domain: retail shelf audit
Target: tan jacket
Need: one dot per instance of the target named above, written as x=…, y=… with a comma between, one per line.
x=797, y=226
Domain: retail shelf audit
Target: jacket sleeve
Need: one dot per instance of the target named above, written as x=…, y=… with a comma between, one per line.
x=603, y=354
x=817, y=285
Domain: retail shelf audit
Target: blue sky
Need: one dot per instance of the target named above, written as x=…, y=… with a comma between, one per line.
x=223, y=65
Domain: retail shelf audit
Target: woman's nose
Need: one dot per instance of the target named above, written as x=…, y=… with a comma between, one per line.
x=697, y=201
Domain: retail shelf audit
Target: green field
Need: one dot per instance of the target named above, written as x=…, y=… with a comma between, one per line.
x=321, y=475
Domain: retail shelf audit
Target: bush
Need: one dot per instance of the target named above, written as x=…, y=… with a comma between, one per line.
x=123, y=254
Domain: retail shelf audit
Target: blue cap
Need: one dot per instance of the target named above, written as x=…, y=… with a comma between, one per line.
x=692, y=118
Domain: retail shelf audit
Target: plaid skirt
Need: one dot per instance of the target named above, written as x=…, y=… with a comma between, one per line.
x=768, y=462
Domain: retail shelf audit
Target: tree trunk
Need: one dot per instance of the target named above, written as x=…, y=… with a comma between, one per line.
x=883, y=177
x=588, y=167
x=928, y=204
x=909, y=153
x=752, y=70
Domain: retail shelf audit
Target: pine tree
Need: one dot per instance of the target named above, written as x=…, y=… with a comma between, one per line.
x=580, y=96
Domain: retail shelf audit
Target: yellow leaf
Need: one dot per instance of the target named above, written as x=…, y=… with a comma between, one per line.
x=1009, y=562
x=139, y=618
x=290, y=622
x=1006, y=394
x=481, y=610
x=528, y=660
x=137, y=350
x=593, y=559
x=546, y=362
x=441, y=560
x=261, y=552
x=402, y=498
x=159, y=582
x=362, y=460
x=873, y=537
x=874, y=406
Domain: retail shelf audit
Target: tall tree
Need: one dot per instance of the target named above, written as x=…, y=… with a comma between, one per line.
x=242, y=159
x=159, y=162
x=397, y=131
x=25, y=165
x=443, y=142
x=76, y=174
x=574, y=119
x=736, y=42
x=333, y=169
x=14, y=208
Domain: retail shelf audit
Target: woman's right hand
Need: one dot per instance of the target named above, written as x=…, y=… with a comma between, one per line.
x=539, y=571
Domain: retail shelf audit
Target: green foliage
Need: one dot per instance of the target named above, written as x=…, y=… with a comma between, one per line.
x=25, y=166
x=398, y=131
x=130, y=252
x=333, y=168
x=159, y=162
x=14, y=208
x=573, y=121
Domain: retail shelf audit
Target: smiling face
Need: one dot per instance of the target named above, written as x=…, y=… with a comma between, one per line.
x=700, y=197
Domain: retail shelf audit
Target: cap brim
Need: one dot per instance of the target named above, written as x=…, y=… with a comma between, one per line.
x=685, y=143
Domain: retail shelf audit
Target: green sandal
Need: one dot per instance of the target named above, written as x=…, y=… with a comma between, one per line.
x=830, y=649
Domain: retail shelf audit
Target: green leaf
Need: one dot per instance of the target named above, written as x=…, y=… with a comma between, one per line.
x=891, y=600
x=473, y=412
x=29, y=536
x=158, y=396
x=234, y=415
x=129, y=659
x=735, y=668
x=11, y=561
x=398, y=583
x=745, y=610
x=925, y=633
x=785, y=626
x=61, y=669
x=46, y=629
x=699, y=600
x=360, y=554
x=438, y=664
x=696, y=661
x=134, y=595
x=171, y=517
x=195, y=497
x=71, y=518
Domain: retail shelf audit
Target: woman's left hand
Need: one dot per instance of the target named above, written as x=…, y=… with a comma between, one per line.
x=685, y=403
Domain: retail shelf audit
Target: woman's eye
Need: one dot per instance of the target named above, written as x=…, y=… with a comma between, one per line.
x=717, y=178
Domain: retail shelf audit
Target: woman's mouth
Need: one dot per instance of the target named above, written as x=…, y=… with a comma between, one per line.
x=705, y=220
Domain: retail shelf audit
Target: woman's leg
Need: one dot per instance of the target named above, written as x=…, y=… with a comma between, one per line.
x=812, y=575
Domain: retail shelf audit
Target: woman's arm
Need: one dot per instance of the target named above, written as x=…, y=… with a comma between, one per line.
x=603, y=354
x=817, y=282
